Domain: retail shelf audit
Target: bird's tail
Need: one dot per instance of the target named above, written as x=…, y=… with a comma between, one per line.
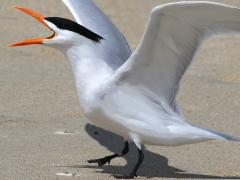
x=223, y=136
x=219, y=135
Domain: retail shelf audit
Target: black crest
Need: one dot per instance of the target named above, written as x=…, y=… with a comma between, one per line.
x=70, y=25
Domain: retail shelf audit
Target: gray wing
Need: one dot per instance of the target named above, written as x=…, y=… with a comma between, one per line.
x=173, y=35
x=115, y=47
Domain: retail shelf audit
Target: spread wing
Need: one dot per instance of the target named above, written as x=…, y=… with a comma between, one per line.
x=116, y=49
x=173, y=35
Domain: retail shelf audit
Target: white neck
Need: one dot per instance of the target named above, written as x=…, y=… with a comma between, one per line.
x=89, y=70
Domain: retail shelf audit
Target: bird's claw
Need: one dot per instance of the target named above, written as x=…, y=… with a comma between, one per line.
x=100, y=162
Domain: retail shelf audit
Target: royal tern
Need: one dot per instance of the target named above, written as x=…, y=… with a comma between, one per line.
x=134, y=94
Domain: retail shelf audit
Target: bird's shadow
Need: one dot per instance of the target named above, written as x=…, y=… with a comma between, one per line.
x=154, y=165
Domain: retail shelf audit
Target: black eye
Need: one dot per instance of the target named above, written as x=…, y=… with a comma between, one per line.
x=70, y=25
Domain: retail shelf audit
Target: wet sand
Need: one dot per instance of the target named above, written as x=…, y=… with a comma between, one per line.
x=43, y=134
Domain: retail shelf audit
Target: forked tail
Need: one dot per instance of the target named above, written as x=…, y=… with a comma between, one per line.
x=219, y=135
x=223, y=136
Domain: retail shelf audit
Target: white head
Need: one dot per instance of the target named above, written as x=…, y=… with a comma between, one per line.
x=66, y=33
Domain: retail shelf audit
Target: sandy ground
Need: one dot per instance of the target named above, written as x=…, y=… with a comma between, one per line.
x=43, y=134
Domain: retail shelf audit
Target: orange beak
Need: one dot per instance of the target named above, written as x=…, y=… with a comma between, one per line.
x=40, y=18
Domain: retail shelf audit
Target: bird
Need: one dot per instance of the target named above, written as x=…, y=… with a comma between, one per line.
x=133, y=93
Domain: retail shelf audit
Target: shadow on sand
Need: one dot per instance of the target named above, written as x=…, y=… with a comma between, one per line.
x=148, y=169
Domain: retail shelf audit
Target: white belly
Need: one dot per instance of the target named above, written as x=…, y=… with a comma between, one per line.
x=99, y=118
x=151, y=135
x=133, y=116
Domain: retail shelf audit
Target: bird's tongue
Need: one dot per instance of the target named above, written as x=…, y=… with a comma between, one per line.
x=40, y=18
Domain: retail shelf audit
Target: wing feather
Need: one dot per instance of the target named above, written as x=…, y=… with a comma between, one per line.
x=173, y=35
x=115, y=47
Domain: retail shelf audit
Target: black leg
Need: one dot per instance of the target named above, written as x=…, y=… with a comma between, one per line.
x=134, y=171
x=108, y=159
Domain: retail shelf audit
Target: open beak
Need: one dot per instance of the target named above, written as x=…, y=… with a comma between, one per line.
x=40, y=18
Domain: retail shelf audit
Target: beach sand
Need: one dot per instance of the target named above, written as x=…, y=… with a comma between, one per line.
x=44, y=135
